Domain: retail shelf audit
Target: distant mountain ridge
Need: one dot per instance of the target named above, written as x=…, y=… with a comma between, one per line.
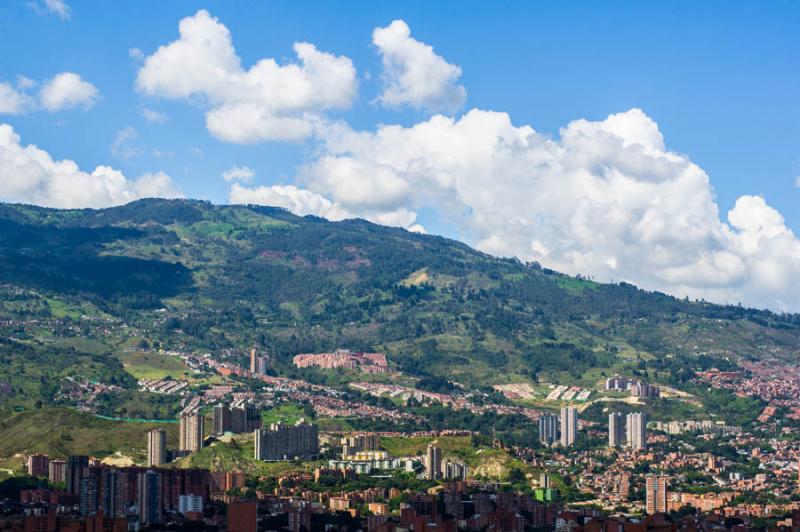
x=218, y=277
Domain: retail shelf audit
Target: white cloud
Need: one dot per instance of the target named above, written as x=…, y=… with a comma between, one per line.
x=30, y=175
x=266, y=102
x=124, y=145
x=299, y=201
x=154, y=117
x=68, y=90
x=12, y=101
x=136, y=54
x=56, y=7
x=162, y=154
x=239, y=173
x=25, y=83
x=414, y=75
x=607, y=199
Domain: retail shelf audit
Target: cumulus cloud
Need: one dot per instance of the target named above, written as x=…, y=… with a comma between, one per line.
x=154, y=117
x=606, y=198
x=125, y=145
x=68, y=90
x=299, y=201
x=268, y=101
x=13, y=101
x=413, y=74
x=238, y=173
x=30, y=175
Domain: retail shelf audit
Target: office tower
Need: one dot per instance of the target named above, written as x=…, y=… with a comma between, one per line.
x=191, y=432
x=148, y=497
x=76, y=466
x=38, y=465
x=242, y=516
x=253, y=360
x=569, y=425
x=57, y=471
x=656, y=492
x=222, y=419
x=548, y=429
x=156, y=447
x=287, y=442
x=433, y=462
x=616, y=430
x=636, y=428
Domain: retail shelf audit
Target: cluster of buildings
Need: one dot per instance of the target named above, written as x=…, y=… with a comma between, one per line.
x=344, y=359
x=259, y=364
x=569, y=393
x=163, y=386
x=632, y=432
x=137, y=496
x=238, y=417
x=636, y=387
x=705, y=426
x=563, y=428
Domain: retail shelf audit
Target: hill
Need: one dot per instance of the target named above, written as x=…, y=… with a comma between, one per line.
x=61, y=432
x=189, y=274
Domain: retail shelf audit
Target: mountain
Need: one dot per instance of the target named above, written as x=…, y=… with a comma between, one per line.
x=223, y=278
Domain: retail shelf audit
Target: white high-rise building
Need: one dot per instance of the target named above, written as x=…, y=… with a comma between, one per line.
x=433, y=462
x=636, y=428
x=616, y=430
x=569, y=425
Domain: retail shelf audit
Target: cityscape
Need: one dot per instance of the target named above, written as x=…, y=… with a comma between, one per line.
x=399, y=266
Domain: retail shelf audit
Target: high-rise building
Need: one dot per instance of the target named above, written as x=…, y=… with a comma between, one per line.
x=636, y=429
x=569, y=425
x=656, y=493
x=287, y=442
x=544, y=481
x=57, y=471
x=38, y=465
x=253, y=360
x=433, y=462
x=548, y=429
x=191, y=432
x=616, y=430
x=222, y=419
x=149, y=500
x=263, y=365
x=76, y=466
x=156, y=447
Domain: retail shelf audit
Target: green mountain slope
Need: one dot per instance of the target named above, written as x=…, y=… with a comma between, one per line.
x=200, y=276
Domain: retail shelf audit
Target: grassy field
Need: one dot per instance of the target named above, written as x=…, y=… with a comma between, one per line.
x=149, y=365
x=284, y=413
x=237, y=453
x=61, y=432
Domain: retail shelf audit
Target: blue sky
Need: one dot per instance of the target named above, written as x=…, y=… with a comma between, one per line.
x=720, y=79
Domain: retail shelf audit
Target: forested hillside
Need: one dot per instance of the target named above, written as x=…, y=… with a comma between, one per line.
x=216, y=278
